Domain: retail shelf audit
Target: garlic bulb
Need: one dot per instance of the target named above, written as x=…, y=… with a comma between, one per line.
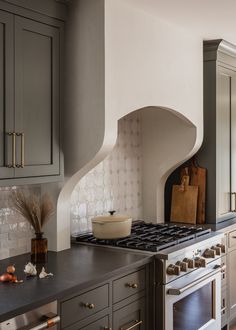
x=43, y=273
x=30, y=269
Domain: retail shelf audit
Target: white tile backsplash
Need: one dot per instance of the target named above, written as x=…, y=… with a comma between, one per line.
x=115, y=183
x=15, y=231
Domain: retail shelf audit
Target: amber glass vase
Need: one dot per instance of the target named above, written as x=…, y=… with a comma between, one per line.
x=39, y=248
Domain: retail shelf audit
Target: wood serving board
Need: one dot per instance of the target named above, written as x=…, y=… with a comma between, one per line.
x=184, y=204
x=198, y=178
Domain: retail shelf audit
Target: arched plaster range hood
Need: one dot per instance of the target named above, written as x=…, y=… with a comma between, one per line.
x=120, y=60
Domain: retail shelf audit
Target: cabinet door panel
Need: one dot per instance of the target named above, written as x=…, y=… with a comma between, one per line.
x=231, y=282
x=223, y=142
x=37, y=65
x=101, y=324
x=233, y=137
x=6, y=93
x=131, y=315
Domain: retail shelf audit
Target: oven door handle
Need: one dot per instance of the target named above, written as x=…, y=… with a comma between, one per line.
x=47, y=324
x=178, y=291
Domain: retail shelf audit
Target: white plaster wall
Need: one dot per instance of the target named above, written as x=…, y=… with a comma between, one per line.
x=150, y=62
x=120, y=59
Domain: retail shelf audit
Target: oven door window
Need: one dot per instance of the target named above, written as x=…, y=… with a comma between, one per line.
x=195, y=310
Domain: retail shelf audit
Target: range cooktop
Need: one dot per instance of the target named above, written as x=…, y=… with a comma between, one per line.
x=148, y=236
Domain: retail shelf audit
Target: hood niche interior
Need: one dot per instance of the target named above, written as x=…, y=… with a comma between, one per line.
x=130, y=179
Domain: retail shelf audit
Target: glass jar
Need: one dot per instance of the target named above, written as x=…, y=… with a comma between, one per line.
x=39, y=248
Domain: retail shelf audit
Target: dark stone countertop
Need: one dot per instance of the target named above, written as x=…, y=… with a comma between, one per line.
x=74, y=270
x=222, y=226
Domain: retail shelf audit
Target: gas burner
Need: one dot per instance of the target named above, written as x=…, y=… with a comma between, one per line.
x=149, y=236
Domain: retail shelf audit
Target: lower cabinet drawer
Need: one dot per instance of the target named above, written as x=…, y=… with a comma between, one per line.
x=128, y=285
x=131, y=316
x=100, y=324
x=84, y=305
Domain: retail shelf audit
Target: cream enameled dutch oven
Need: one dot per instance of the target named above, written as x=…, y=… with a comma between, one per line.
x=111, y=226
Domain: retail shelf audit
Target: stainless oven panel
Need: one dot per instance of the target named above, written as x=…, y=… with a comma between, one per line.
x=224, y=311
x=37, y=319
x=194, y=302
x=192, y=253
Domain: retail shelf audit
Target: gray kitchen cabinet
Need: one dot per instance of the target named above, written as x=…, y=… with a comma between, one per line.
x=6, y=94
x=131, y=316
x=30, y=89
x=84, y=305
x=37, y=102
x=218, y=151
x=100, y=324
x=104, y=308
x=128, y=285
x=231, y=265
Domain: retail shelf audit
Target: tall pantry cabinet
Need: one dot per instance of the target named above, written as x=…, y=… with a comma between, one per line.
x=218, y=151
x=30, y=95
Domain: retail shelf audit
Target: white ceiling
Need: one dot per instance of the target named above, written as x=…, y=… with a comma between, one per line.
x=211, y=19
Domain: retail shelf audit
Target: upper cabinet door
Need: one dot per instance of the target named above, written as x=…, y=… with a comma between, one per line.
x=7, y=139
x=223, y=113
x=37, y=98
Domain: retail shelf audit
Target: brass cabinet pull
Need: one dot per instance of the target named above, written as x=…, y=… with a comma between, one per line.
x=132, y=285
x=223, y=310
x=13, y=164
x=234, y=194
x=90, y=306
x=107, y=328
x=136, y=323
x=22, y=153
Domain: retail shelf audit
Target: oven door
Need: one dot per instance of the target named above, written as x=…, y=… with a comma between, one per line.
x=193, y=302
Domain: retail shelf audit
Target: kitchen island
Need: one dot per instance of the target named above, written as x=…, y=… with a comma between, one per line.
x=74, y=271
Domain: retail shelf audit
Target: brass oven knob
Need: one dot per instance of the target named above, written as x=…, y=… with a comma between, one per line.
x=222, y=246
x=209, y=253
x=217, y=249
x=183, y=266
x=190, y=262
x=200, y=262
x=173, y=269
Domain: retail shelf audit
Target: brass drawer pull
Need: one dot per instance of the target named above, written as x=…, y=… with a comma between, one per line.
x=13, y=164
x=22, y=153
x=223, y=310
x=137, y=323
x=90, y=306
x=132, y=285
x=233, y=210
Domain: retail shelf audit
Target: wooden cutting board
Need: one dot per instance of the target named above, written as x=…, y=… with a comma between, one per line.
x=184, y=202
x=198, y=178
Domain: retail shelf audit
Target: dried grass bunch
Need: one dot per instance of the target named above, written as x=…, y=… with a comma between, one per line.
x=36, y=210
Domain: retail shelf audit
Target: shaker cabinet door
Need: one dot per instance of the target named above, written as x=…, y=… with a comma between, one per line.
x=37, y=101
x=223, y=113
x=6, y=96
x=130, y=317
x=233, y=140
x=231, y=283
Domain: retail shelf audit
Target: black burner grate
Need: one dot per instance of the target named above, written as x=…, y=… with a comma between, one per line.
x=149, y=237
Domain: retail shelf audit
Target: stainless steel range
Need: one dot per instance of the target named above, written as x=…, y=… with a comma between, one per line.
x=188, y=271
